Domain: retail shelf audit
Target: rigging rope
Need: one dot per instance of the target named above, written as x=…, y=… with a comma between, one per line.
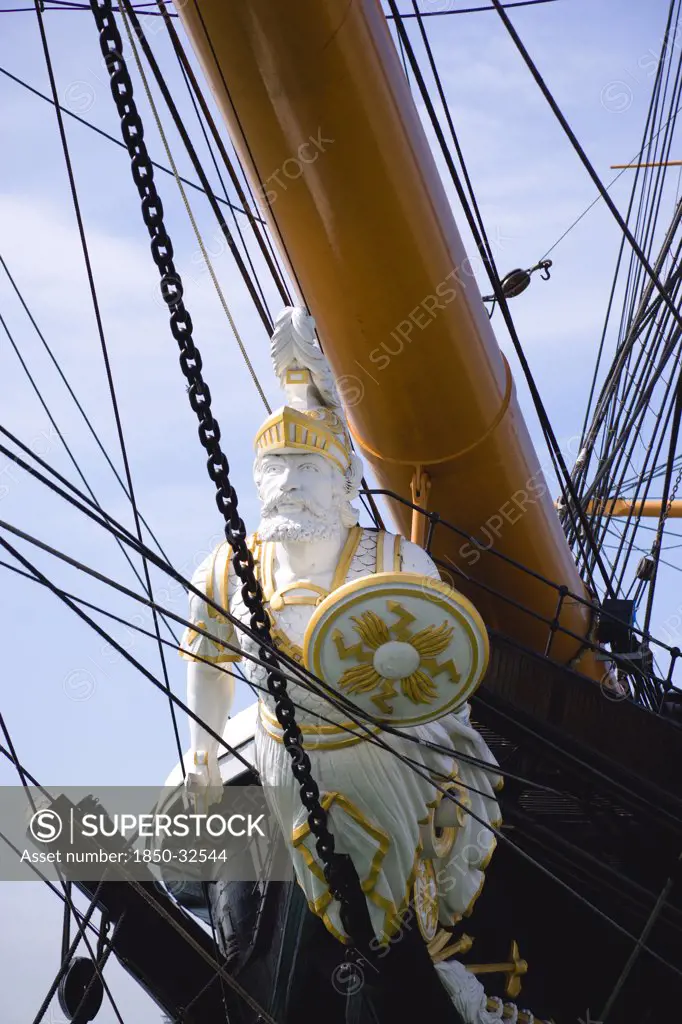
x=648, y=128
x=302, y=676
x=677, y=316
x=78, y=404
x=427, y=745
x=105, y=353
x=110, y=524
x=158, y=907
x=263, y=238
x=61, y=594
x=140, y=542
x=475, y=10
x=179, y=124
x=500, y=836
x=596, y=199
x=288, y=663
x=195, y=226
x=261, y=306
x=582, y=899
x=56, y=5
x=618, y=415
x=626, y=402
x=646, y=931
x=214, y=161
x=67, y=448
x=112, y=138
x=338, y=870
x=573, y=506
x=373, y=511
x=67, y=954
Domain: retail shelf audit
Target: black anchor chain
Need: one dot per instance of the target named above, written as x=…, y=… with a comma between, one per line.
x=339, y=872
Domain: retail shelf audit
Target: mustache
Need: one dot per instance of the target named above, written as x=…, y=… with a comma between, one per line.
x=272, y=506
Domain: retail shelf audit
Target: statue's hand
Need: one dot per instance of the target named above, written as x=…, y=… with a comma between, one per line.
x=203, y=785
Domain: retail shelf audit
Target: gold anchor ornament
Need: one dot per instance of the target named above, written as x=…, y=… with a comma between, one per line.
x=406, y=649
x=513, y=971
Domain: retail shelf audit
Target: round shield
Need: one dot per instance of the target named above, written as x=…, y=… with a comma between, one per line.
x=405, y=648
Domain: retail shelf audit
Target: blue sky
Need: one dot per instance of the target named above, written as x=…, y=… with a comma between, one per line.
x=76, y=710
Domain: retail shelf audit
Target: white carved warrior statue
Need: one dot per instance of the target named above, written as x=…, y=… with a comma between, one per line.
x=406, y=655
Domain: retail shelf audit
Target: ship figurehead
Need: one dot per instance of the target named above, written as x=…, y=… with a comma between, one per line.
x=311, y=425
x=391, y=645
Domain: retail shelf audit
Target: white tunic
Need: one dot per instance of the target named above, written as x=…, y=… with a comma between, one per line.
x=378, y=806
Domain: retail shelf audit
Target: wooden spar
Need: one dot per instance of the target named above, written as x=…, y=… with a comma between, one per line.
x=653, y=163
x=320, y=111
x=649, y=508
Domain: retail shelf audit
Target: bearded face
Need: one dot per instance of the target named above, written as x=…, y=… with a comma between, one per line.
x=303, y=497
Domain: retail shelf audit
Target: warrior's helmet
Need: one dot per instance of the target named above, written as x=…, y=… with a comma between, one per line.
x=313, y=418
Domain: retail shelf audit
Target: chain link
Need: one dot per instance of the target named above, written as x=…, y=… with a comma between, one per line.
x=656, y=545
x=338, y=869
x=673, y=494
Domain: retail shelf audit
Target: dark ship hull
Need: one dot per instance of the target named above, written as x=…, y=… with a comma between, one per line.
x=607, y=832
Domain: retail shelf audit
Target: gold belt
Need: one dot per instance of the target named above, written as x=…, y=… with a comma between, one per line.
x=315, y=737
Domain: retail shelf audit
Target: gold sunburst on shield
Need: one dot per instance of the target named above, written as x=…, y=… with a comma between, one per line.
x=405, y=648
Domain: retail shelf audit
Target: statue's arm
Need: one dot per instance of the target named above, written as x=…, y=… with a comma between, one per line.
x=210, y=692
x=210, y=684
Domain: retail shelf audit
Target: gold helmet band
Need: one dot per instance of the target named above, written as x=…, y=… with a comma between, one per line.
x=319, y=431
x=311, y=428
